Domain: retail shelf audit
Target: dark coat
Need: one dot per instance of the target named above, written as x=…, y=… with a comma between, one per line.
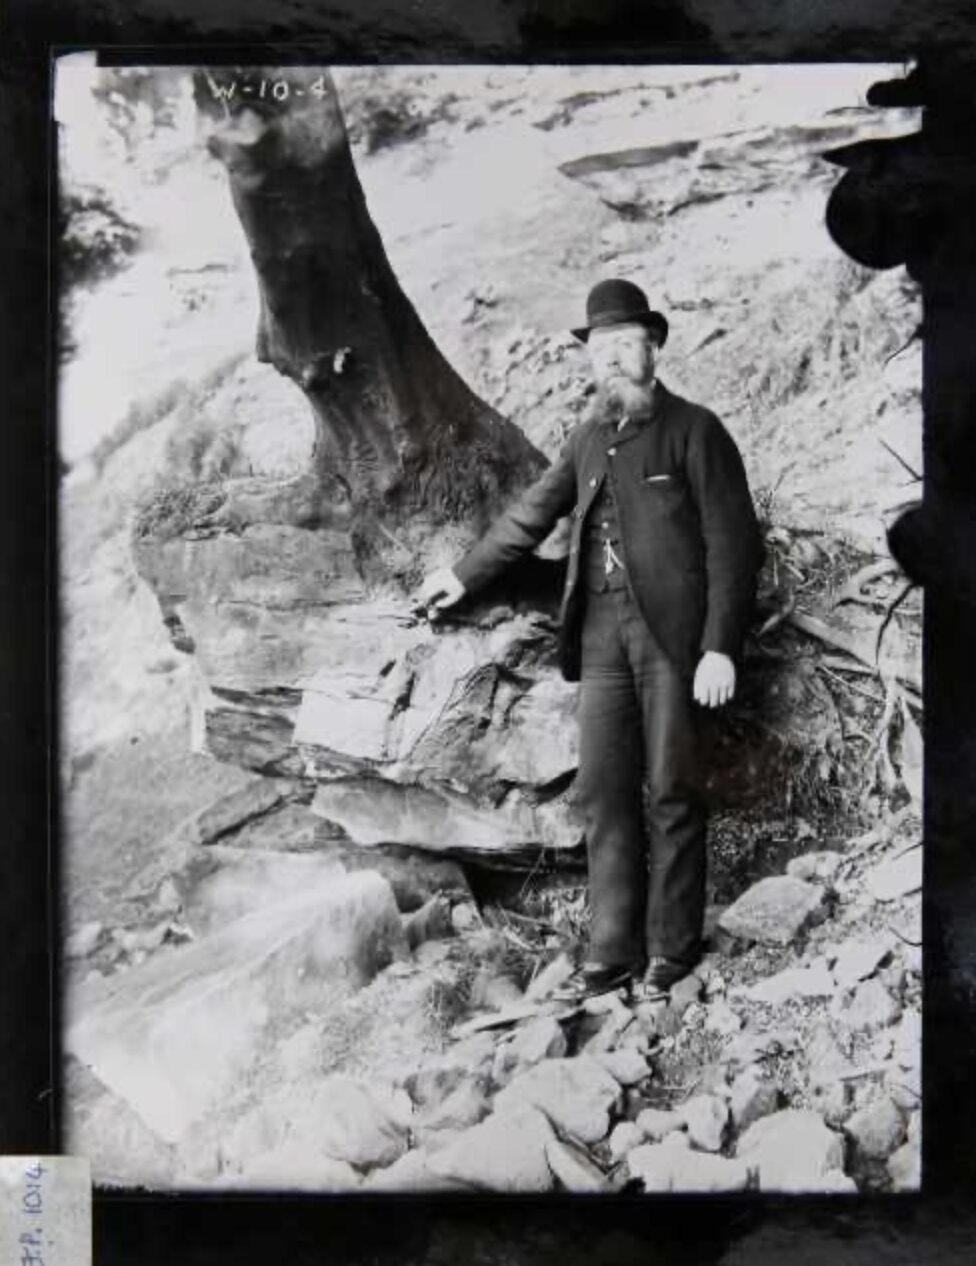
x=688, y=533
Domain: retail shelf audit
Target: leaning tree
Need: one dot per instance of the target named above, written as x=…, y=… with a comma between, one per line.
x=401, y=440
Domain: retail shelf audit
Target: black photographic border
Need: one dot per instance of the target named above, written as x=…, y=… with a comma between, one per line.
x=937, y=1226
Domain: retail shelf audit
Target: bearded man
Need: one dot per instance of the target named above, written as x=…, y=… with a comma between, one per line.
x=661, y=580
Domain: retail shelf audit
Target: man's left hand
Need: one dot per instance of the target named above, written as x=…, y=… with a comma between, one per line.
x=714, y=679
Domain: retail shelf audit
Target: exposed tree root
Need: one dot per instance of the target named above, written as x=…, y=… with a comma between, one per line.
x=847, y=643
x=852, y=590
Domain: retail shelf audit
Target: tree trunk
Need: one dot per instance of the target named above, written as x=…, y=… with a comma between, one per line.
x=399, y=434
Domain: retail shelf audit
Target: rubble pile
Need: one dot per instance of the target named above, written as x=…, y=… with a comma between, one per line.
x=306, y=1035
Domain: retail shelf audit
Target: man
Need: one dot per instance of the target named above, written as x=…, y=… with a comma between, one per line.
x=661, y=579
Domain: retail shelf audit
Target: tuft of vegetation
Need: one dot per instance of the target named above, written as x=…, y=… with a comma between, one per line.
x=138, y=99
x=381, y=114
x=96, y=240
x=188, y=399
x=168, y=513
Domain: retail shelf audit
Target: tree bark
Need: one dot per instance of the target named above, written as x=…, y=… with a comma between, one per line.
x=399, y=433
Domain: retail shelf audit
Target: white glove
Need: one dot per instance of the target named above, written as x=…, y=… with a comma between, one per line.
x=714, y=679
x=440, y=590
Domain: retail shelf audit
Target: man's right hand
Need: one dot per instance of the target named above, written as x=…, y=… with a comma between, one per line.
x=440, y=590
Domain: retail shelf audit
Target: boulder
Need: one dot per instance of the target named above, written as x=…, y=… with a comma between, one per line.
x=506, y=1152
x=905, y=1167
x=816, y=867
x=752, y=1096
x=624, y=1137
x=412, y=1173
x=627, y=1065
x=655, y=1123
x=466, y=1105
x=905, y=921
x=855, y=960
x=904, y=1085
x=794, y=982
x=171, y=1036
x=439, y=1075
x=542, y=1038
x=337, y=1119
x=576, y=1094
x=908, y=1040
x=877, y=1129
x=549, y=978
x=868, y=1007
x=705, y=1117
x=774, y=910
x=223, y=883
x=492, y=989
x=464, y=917
x=607, y=1038
x=665, y=1167
x=293, y=1166
x=826, y=1062
x=792, y=1150
x=896, y=877
x=574, y=1169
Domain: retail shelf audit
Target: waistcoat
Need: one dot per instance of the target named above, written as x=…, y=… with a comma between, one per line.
x=602, y=527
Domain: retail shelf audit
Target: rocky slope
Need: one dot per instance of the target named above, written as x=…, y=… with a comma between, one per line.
x=351, y=735
x=299, y=1019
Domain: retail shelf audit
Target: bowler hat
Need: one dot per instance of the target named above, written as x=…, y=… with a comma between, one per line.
x=619, y=302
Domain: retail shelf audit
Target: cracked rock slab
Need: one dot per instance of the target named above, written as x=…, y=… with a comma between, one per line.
x=172, y=1035
x=774, y=910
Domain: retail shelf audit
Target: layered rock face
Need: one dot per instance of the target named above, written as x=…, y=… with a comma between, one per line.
x=457, y=737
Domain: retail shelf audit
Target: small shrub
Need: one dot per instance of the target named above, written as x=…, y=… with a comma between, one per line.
x=168, y=513
x=96, y=241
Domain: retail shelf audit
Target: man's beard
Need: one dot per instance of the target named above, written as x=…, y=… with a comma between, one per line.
x=618, y=397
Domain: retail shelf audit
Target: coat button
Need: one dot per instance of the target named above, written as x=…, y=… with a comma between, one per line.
x=593, y=482
x=611, y=452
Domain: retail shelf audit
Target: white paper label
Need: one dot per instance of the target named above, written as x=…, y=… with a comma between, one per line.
x=45, y=1211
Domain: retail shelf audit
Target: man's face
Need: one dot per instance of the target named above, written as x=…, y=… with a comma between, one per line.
x=623, y=359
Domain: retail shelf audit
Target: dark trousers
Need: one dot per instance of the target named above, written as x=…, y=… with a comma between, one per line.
x=637, y=726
